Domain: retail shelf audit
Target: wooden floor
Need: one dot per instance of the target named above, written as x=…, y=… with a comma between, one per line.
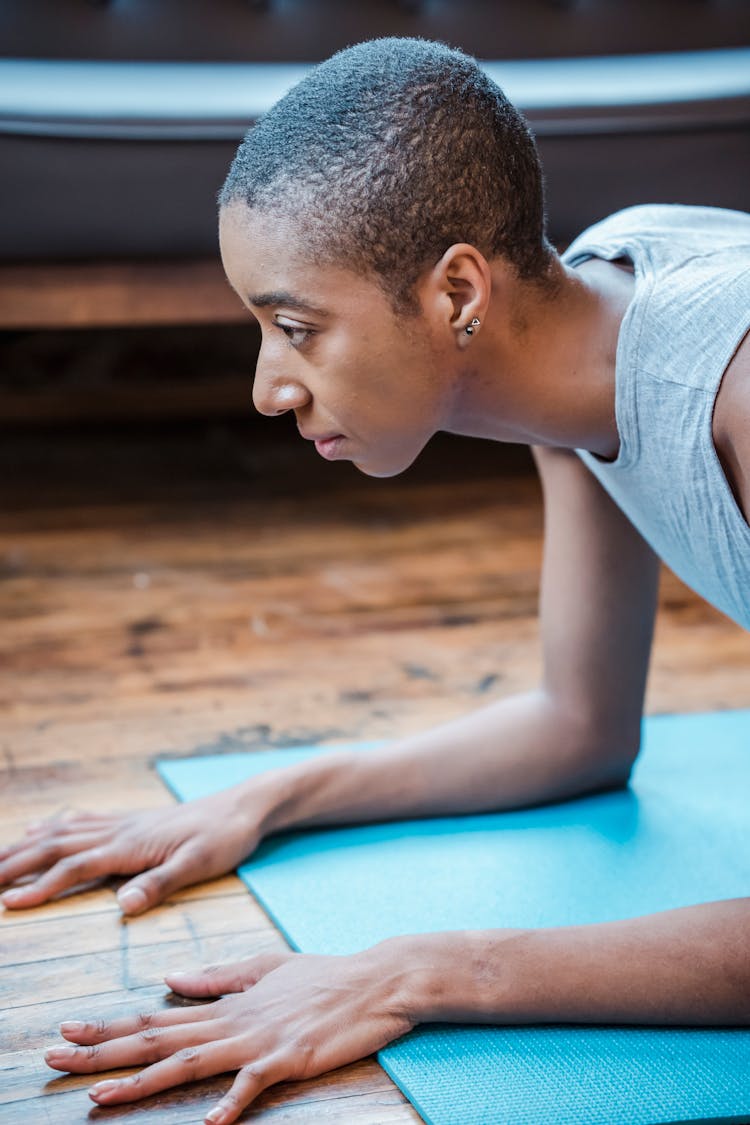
x=172, y=592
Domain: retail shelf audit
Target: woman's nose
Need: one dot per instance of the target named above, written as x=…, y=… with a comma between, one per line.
x=274, y=395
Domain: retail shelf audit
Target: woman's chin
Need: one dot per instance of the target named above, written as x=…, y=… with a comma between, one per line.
x=383, y=469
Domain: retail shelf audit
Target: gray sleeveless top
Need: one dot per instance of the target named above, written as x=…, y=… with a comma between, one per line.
x=688, y=315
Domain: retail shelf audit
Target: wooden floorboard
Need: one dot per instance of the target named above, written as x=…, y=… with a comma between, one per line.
x=160, y=594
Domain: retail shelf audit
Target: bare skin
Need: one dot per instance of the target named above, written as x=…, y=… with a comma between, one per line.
x=372, y=388
x=731, y=430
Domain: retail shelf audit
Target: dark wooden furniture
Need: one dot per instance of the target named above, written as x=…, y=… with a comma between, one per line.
x=118, y=120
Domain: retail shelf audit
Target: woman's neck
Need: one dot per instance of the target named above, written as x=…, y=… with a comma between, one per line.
x=543, y=369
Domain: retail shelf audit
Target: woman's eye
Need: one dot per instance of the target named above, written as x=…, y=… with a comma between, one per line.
x=296, y=336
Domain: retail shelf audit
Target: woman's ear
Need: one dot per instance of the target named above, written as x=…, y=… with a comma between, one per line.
x=457, y=291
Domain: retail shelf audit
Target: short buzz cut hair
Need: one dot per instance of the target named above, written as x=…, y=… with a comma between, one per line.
x=390, y=152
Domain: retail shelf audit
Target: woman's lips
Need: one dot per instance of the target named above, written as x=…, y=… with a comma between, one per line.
x=328, y=447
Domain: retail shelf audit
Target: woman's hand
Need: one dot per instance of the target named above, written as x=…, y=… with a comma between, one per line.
x=293, y=1016
x=172, y=847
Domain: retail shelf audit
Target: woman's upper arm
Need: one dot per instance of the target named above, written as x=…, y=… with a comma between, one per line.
x=598, y=604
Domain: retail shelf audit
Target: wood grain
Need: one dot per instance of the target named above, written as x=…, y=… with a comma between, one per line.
x=166, y=595
x=90, y=294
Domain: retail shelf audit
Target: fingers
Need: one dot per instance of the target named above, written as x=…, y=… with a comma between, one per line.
x=33, y=857
x=152, y=887
x=77, y=858
x=71, y=822
x=216, y=980
x=181, y=1045
x=35, y=828
x=93, y=863
x=101, y=1031
x=250, y=1081
x=55, y=827
x=149, y=1045
x=187, y=1065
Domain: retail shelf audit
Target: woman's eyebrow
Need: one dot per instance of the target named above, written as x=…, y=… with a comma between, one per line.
x=288, y=300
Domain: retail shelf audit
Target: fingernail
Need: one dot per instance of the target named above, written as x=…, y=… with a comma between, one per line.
x=102, y=1089
x=132, y=899
x=12, y=896
x=60, y=1052
x=215, y=1115
x=71, y=1027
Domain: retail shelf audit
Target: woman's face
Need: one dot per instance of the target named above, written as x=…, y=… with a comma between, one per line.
x=366, y=385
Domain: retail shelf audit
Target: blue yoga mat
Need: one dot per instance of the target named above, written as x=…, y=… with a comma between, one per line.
x=678, y=836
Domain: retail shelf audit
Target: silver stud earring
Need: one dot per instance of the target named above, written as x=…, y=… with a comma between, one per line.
x=469, y=330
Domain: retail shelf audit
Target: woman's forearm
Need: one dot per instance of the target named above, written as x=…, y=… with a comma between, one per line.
x=683, y=967
x=519, y=751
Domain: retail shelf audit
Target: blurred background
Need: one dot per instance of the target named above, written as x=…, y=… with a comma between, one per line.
x=119, y=118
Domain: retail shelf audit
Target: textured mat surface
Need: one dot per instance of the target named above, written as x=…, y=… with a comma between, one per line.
x=679, y=835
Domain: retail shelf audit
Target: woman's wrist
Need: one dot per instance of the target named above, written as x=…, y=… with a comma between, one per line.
x=684, y=966
x=472, y=976
x=295, y=796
